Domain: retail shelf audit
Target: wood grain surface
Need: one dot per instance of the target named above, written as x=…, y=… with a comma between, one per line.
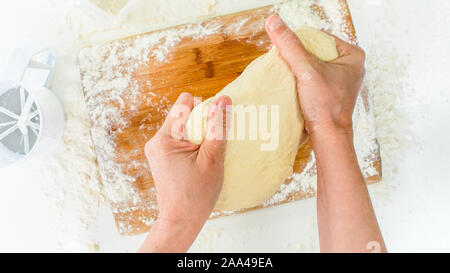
x=203, y=67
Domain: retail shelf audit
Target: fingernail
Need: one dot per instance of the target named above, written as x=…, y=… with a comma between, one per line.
x=275, y=22
x=212, y=110
x=222, y=105
x=224, y=102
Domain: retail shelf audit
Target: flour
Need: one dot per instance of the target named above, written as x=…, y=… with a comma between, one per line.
x=74, y=187
x=117, y=61
x=388, y=90
x=306, y=182
x=290, y=11
x=363, y=122
x=111, y=6
x=78, y=197
x=7, y=156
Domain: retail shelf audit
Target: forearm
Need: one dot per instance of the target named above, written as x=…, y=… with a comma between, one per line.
x=169, y=237
x=346, y=218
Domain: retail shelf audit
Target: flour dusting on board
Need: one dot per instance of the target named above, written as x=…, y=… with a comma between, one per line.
x=81, y=217
x=107, y=81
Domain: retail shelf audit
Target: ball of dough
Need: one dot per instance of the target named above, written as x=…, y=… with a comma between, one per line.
x=253, y=174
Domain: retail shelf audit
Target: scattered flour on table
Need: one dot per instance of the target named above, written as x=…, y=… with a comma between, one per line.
x=7, y=156
x=72, y=179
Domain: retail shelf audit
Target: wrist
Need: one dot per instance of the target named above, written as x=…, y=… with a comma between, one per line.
x=174, y=225
x=192, y=223
x=329, y=131
x=184, y=232
x=170, y=236
x=327, y=137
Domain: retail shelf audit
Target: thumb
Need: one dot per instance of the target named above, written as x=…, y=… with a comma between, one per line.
x=289, y=45
x=217, y=125
x=173, y=126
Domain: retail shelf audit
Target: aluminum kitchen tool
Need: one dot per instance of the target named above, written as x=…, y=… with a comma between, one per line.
x=31, y=117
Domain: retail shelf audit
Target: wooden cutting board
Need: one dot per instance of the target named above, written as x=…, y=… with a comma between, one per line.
x=202, y=66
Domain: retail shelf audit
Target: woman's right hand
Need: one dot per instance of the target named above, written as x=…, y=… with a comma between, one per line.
x=327, y=90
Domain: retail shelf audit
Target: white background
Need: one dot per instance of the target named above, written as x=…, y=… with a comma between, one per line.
x=412, y=203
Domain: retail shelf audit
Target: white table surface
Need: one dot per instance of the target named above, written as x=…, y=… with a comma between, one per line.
x=412, y=204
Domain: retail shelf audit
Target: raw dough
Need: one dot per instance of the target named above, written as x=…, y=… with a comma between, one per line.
x=111, y=6
x=318, y=43
x=252, y=175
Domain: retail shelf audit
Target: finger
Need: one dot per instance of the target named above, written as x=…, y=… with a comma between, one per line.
x=176, y=119
x=289, y=45
x=218, y=122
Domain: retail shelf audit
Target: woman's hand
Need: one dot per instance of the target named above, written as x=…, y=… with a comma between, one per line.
x=188, y=177
x=327, y=91
x=327, y=94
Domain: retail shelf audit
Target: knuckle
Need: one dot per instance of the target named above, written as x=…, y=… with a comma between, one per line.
x=155, y=144
x=274, y=26
x=185, y=96
x=361, y=54
x=184, y=99
x=279, y=30
x=149, y=146
x=286, y=36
